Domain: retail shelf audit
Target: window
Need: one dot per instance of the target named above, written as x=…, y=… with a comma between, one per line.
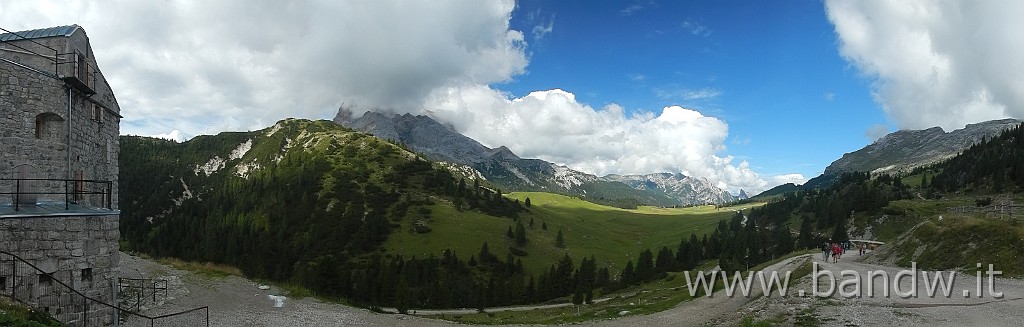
x=87, y=276
x=3, y=283
x=45, y=280
x=40, y=126
x=47, y=126
x=79, y=186
x=97, y=113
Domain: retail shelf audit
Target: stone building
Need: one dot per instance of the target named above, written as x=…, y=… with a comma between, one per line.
x=58, y=174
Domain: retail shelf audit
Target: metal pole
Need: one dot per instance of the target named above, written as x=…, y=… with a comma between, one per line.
x=66, y=193
x=69, y=132
x=17, y=194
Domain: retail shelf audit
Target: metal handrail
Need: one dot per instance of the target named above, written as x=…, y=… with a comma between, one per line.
x=107, y=191
x=56, y=71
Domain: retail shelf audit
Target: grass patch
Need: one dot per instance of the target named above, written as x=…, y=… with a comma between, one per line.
x=611, y=235
x=17, y=315
x=750, y=322
x=208, y=269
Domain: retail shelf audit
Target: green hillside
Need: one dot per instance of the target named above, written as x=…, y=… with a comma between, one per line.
x=611, y=235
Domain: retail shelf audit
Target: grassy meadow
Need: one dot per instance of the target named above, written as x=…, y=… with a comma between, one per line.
x=611, y=235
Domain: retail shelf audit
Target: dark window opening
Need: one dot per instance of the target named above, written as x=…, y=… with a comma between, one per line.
x=40, y=126
x=45, y=280
x=97, y=113
x=79, y=186
x=87, y=275
x=3, y=283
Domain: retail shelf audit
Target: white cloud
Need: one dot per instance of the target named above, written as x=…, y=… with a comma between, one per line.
x=204, y=67
x=673, y=92
x=540, y=30
x=554, y=126
x=638, y=6
x=875, y=132
x=696, y=28
x=174, y=135
x=829, y=96
x=936, y=63
x=797, y=179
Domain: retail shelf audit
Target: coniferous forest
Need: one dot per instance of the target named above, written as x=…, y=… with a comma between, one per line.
x=310, y=203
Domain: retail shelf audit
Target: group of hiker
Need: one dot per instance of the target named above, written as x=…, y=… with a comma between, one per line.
x=835, y=250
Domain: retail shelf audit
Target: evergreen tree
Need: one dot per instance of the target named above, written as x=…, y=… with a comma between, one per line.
x=531, y=221
x=783, y=241
x=806, y=237
x=509, y=233
x=665, y=262
x=839, y=233
x=544, y=225
x=645, y=267
x=485, y=254
x=560, y=240
x=528, y=203
x=520, y=235
x=628, y=274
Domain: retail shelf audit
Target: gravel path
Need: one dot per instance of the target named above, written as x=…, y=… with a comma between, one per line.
x=235, y=301
x=918, y=309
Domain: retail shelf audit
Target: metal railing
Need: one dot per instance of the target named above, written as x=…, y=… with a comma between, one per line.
x=133, y=291
x=20, y=37
x=72, y=307
x=74, y=191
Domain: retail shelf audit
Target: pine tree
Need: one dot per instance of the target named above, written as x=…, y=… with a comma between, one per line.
x=531, y=221
x=509, y=233
x=806, y=237
x=544, y=225
x=560, y=239
x=520, y=235
x=528, y=204
x=628, y=274
x=645, y=267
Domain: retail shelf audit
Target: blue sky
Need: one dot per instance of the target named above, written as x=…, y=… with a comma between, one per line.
x=747, y=94
x=771, y=70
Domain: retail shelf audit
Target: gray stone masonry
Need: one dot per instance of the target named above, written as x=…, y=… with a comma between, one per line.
x=79, y=248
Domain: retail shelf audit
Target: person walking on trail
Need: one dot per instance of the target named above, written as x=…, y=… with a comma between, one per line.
x=825, y=249
x=836, y=252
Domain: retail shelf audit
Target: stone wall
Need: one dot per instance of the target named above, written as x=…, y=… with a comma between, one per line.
x=79, y=249
x=28, y=94
x=66, y=247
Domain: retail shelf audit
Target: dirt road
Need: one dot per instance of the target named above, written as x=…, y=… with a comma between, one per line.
x=235, y=301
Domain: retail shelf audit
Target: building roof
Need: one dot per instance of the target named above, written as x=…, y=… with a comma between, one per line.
x=40, y=33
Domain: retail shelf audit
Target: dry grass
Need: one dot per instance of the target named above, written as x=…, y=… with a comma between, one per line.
x=203, y=268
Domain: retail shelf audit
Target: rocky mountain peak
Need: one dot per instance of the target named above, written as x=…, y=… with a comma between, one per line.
x=906, y=149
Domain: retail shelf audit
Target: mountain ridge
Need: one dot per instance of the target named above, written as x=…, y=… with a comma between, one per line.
x=905, y=150
x=504, y=168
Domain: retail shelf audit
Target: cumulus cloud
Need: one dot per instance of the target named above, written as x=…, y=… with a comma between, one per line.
x=554, y=126
x=204, y=67
x=797, y=179
x=936, y=63
x=174, y=135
